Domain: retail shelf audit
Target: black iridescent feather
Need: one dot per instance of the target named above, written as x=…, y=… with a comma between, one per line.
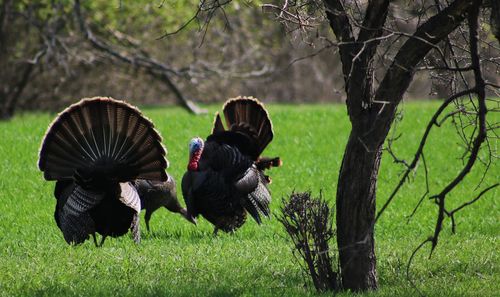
x=94, y=150
x=227, y=181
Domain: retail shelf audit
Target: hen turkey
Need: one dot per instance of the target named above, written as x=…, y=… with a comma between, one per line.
x=95, y=150
x=156, y=194
x=225, y=176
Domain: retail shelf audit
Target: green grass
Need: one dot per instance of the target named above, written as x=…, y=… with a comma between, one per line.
x=180, y=259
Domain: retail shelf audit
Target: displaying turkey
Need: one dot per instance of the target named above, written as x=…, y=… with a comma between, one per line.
x=156, y=194
x=225, y=175
x=95, y=150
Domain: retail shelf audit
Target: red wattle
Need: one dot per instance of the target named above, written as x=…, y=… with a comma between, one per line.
x=193, y=166
x=193, y=162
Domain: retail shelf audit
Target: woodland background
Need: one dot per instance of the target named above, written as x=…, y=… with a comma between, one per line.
x=48, y=62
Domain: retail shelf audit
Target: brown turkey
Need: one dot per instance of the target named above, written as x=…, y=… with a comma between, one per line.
x=95, y=150
x=225, y=175
x=156, y=194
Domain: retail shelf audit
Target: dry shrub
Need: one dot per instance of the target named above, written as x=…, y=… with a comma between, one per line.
x=308, y=222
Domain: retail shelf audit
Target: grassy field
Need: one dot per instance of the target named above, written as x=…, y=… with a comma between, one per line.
x=179, y=259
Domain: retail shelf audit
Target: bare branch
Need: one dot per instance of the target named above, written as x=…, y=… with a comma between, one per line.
x=153, y=67
x=427, y=190
x=452, y=213
x=10, y=100
x=341, y=26
x=360, y=79
x=408, y=266
x=447, y=68
x=287, y=16
x=183, y=26
x=421, y=146
x=481, y=135
x=475, y=199
x=400, y=73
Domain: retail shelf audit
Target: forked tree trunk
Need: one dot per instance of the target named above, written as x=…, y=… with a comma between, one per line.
x=371, y=113
x=356, y=213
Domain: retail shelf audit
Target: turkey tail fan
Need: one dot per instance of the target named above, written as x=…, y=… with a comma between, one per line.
x=248, y=115
x=102, y=137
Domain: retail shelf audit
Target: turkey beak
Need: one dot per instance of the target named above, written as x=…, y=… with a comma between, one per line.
x=191, y=219
x=188, y=216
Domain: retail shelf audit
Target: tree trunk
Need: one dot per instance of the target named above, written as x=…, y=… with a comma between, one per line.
x=356, y=213
x=371, y=113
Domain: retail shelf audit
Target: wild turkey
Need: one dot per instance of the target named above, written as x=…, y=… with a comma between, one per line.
x=225, y=178
x=94, y=150
x=155, y=194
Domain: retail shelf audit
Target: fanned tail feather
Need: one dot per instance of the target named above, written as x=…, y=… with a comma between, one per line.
x=248, y=116
x=104, y=135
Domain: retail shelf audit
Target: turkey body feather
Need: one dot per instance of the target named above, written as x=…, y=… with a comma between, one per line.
x=94, y=150
x=224, y=182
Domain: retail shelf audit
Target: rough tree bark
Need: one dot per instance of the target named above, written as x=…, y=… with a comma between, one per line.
x=355, y=214
x=371, y=113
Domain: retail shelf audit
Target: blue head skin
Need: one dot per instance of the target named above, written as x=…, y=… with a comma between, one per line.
x=195, y=145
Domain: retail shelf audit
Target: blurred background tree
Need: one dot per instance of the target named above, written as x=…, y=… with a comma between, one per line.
x=48, y=61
